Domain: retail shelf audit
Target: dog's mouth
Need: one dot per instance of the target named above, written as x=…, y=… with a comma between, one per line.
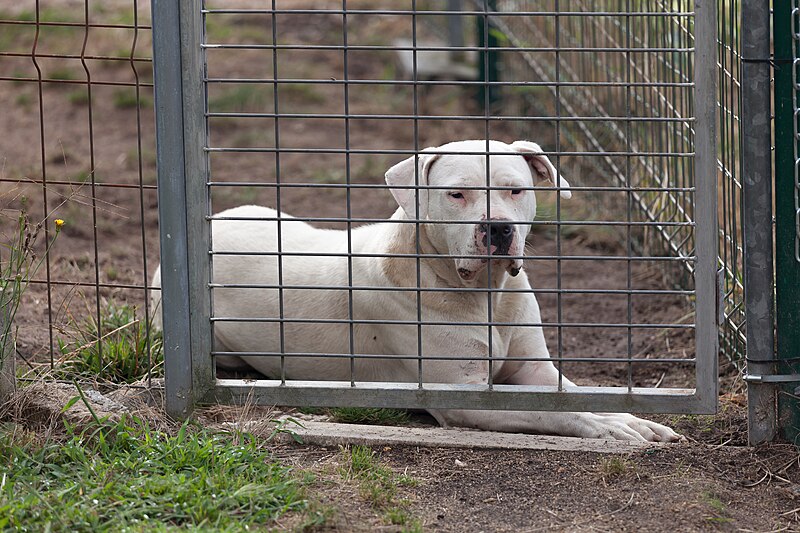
x=504, y=254
x=469, y=268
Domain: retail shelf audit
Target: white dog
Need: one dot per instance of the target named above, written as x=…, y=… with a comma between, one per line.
x=452, y=197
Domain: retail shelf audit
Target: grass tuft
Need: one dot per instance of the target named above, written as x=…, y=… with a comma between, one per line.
x=371, y=416
x=124, y=475
x=378, y=485
x=129, y=100
x=127, y=349
x=614, y=467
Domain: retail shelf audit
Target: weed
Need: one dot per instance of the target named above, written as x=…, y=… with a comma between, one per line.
x=125, y=475
x=359, y=415
x=83, y=176
x=377, y=484
x=48, y=14
x=281, y=429
x=20, y=265
x=328, y=175
x=63, y=73
x=20, y=77
x=246, y=97
x=129, y=100
x=23, y=100
x=111, y=273
x=304, y=93
x=615, y=466
x=122, y=349
x=717, y=507
x=398, y=516
x=79, y=97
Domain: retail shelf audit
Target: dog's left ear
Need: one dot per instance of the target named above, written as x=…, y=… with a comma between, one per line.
x=541, y=166
x=405, y=176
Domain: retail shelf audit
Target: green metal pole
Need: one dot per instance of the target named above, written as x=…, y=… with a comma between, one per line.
x=488, y=65
x=787, y=266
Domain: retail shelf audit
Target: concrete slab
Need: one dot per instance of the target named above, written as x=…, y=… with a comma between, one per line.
x=332, y=434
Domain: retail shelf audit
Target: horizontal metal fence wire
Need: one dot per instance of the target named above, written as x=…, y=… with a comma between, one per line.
x=307, y=104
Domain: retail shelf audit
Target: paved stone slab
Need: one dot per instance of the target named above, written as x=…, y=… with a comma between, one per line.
x=332, y=434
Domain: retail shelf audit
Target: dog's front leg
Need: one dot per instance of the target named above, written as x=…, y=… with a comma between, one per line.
x=587, y=425
x=621, y=426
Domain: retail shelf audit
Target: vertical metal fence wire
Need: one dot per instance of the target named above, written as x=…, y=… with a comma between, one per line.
x=306, y=106
x=77, y=90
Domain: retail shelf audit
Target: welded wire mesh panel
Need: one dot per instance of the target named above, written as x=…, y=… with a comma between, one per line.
x=730, y=188
x=306, y=105
x=78, y=146
x=655, y=86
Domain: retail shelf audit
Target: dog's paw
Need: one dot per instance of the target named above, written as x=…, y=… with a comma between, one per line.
x=622, y=426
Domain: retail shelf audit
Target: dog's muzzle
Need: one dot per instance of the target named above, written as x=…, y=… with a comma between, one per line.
x=494, y=238
x=497, y=237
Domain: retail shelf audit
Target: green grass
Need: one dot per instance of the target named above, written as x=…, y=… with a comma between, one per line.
x=254, y=98
x=128, y=100
x=63, y=73
x=125, y=354
x=23, y=100
x=241, y=98
x=378, y=485
x=78, y=97
x=373, y=416
x=127, y=476
x=613, y=467
x=716, y=507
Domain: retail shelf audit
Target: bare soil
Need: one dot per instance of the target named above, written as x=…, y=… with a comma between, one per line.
x=109, y=249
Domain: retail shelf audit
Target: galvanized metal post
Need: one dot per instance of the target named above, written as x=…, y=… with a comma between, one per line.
x=756, y=160
x=172, y=207
x=786, y=24
x=180, y=135
x=705, y=175
x=195, y=139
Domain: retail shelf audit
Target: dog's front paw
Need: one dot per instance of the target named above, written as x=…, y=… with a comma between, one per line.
x=620, y=426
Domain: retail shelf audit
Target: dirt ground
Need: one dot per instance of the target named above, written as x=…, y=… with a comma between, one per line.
x=680, y=488
x=102, y=182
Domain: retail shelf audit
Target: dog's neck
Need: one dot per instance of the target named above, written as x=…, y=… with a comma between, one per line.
x=405, y=242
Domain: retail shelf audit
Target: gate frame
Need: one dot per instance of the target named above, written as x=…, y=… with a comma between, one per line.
x=180, y=102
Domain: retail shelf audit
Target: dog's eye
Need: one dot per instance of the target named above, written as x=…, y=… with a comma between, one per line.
x=515, y=192
x=456, y=195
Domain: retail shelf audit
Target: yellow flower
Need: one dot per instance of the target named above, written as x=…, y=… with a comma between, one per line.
x=59, y=223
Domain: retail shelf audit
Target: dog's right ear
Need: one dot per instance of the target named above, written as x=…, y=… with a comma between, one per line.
x=404, y=176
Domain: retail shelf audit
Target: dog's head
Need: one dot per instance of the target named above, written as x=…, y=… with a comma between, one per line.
x=466, y=219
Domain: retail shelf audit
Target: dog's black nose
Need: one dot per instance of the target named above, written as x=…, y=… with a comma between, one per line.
x=500, y=234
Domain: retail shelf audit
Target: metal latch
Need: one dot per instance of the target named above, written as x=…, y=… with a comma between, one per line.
x=785, y=378
x=770, y=378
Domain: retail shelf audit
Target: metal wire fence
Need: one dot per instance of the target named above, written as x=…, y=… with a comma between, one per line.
x=315, y=103
x=656, y=87
x=306, y=101
x=79, y=147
